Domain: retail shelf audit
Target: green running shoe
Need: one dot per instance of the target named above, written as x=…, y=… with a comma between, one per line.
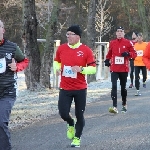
x=76, y=142
x=71, y=131
x=113, y=110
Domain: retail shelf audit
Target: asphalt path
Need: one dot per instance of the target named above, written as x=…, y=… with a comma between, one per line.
x=103, y=130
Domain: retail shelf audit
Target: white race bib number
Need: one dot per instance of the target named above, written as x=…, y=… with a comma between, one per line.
x=2, y=65
x=119, y=60
x=67, y=72
x=139, y=53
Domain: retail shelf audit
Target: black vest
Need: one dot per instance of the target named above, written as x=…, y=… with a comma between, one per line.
x=8, y=82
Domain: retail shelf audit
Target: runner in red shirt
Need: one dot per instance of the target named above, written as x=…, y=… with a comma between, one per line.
x=73, y=60
x=120, y=51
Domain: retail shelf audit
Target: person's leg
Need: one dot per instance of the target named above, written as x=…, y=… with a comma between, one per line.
x=80, y=103
x=137, y=82
x=123, y=81
x=144, y=73
x=64, y=105
x=6, y=105
x=114, y=78
x=132, y=74
x=131, y=77
x=137, y=72
x=132, y=70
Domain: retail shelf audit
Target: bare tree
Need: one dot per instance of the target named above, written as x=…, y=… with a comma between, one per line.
x=32, y=74
x=47, y=58
x=91, y=32
x=138, y=15
x=143, y=18
x=91, y=24
x=103, y=18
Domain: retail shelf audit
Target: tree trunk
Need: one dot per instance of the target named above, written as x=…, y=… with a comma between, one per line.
x=91, y=32
x=47, y=58
x=143, y=18
x=32, y=74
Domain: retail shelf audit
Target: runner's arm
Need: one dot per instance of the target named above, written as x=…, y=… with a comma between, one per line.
x=56, y=66
x=88, y=70
x=22, y=62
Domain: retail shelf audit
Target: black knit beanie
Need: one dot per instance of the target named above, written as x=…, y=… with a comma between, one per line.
x=120, y=27
x=76, y=29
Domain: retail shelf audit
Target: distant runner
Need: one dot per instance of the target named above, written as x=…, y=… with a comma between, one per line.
x=120, y=51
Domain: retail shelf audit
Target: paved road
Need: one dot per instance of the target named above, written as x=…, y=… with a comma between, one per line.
x=103, y=131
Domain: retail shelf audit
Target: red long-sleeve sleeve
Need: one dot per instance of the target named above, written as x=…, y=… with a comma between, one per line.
x=146, y=56
x=22, y=65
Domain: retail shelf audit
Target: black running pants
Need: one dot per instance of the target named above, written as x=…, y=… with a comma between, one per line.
x=137, y=72
x=122, y=76
x=64, y=105
x=131, y=70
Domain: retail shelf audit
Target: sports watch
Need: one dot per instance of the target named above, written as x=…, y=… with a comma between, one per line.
x=82, y=69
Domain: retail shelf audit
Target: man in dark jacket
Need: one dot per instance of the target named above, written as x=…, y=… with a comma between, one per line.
x=12, y=60
x=120, y=51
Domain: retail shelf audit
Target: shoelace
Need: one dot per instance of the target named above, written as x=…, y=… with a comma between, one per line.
x=70, y=128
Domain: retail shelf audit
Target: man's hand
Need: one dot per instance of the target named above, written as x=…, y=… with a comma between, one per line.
x=125, y=54
x=76, y=69
x=13, y=66
x=107, y=63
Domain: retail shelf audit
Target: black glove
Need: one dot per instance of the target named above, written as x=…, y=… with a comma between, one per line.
x=107, y=63
x=125, y=54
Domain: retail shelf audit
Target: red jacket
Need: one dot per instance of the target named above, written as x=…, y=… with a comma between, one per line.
x=116, y=48
x=146, y=56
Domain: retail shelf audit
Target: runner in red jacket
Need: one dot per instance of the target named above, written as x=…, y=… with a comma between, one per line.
x=120, y=51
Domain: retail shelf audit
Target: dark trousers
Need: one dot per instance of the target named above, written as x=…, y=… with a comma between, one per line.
x=137, y=72
x=64, y=104
x=131, y=70
x=6, y=105
x=122, y=76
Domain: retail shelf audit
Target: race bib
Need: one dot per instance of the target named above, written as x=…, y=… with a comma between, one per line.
x=119, y=60
x=67, y=72
x=2, y=65
x=139, y=53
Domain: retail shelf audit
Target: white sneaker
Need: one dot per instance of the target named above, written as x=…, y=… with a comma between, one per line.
x=137, y=93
